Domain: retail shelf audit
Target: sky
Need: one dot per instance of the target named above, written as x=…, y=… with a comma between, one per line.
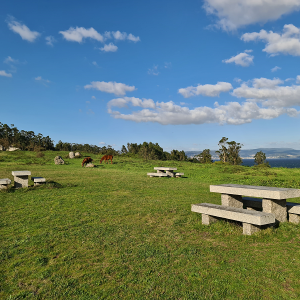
x=182, y=74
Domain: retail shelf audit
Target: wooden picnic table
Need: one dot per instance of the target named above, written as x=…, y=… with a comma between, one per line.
x=273, y=198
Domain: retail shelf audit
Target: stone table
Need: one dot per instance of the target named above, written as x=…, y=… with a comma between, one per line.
x=4, y=183
x=273, y=198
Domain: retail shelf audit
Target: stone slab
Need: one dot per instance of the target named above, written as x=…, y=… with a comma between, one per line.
x=38, y=179
x=256, y=191
x=164, y=169
x=179, y=174
x=236, y=214
x=158, y=174
x=21, y=173
x=5, y=181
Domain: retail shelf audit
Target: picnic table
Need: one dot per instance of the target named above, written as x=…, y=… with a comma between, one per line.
x=273, y=199
x=272, y=202
x=165, y=172
x=21, y=178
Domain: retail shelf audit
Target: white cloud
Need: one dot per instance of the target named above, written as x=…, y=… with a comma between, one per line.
x=109, y=48
x=93, y=97
x=95, y=63
x=119, y=89
x=243, y=59
x=102, y=143
x=133, y=38
x=50, y=40
x=233, y=14
x=275, y=69
x=286, y=43
x=209, y=90
x=121, y=36
x=78, y=34
x=22, y=30
x=88, y=102
x=10, y=60
x=153, y=71
x=168, y=65
x=298, y=79
x=269, y=93
x=3, y=73
x=122, y=102
x=39, y=78
x=264, y=99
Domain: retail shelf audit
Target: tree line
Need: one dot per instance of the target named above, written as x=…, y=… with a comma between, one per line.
x=229, y=152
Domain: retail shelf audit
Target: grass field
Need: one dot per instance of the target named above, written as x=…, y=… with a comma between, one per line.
x=111, y=232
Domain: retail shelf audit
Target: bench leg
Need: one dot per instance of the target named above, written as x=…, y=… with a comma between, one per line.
x=293, y=218
x=207, y=219
x=20, y=181
x=232, y=200
x=249, y=229
x=277, y=208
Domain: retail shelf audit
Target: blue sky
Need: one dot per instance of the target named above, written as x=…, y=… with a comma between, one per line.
x=182, y=74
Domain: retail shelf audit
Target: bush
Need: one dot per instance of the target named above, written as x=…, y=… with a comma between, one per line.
x=40, y=154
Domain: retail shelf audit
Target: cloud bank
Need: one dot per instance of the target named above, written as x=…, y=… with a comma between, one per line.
x=264, y=99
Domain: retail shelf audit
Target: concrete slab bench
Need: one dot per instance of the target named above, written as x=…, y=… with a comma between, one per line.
x=273, y=198
x=21, y=178
x=177, y=175
x=157, y=174
x=38, y=180
x=293, y=209
x=4, y=183
x=252, y=220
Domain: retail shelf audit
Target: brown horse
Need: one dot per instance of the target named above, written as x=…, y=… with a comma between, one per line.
x=86, y=161
x=106, y=158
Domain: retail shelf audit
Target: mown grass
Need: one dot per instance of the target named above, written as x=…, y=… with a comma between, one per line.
x=111, y=232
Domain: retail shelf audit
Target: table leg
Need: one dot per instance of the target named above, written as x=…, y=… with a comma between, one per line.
x=21, y=181
x=232, y=200
x=275, y=207
x=170, y=173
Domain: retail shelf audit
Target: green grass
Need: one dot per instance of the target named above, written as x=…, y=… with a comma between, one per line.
x=111, y=232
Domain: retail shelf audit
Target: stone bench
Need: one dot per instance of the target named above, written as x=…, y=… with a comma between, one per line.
x=21, y=178
x=252, y=220
x=158, y=174
x=178, y=174
x=4, y=183
x=293, y=209
x=38, y=180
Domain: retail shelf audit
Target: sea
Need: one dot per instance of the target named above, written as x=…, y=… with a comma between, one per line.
x=276, y=162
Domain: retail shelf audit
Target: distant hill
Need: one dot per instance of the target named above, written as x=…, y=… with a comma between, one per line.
x=249, y=153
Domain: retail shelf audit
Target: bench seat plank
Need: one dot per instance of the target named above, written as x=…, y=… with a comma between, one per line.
x=158, y=174
x=236, y=214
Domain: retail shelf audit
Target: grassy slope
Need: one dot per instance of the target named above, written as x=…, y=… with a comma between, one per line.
x=111, y=232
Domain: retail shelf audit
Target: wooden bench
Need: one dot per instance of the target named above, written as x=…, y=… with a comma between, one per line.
x=21, y=178
x=252, y=220
x=273, y=198
x=4, y=183
x=293, y=209
x=38, y=180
